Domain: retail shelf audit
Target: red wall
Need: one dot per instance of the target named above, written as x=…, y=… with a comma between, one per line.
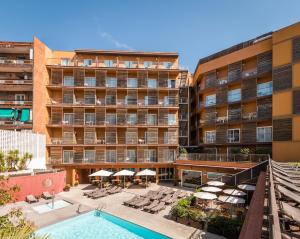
x=37, y=184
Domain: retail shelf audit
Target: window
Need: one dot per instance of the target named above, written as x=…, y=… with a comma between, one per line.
x=131, y=119
x=264, y=134
x=167, y=65
x=90, y=81
x=110, y=100
x=214, y=176
x=152, y=83
x=210, y=100
x=171, y=83
x=130, y=100
x=89, y=118
x=68, y=81
x=210, y=137
x=2, y=59
x=171, y=119
x=132, y=83
x=68, y=156
x=234, y=95
x=265, y=89
x=20, y=97
x=150, y=100
x=150, y=155
x=111, y=119
x=65, y=61
x=111, y=82
x=131, y=155
x=89, y=98
x=87, y=62
x=147, y=64
x=89, y=156
x=129, y=64
x=111, y=156
x=109, y=63
x=233, y=136
x=151, y=119
x=68, y=118
x=20, y=60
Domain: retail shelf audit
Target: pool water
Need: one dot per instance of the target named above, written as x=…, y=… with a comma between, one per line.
x=98, y=225
x=48, y=207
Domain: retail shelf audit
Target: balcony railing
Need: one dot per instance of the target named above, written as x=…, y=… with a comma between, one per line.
x=16, y=102
x=249, y=73
x=18, y=82
x=15, y=62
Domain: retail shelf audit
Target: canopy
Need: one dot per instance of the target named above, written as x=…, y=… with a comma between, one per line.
x=211, y=189
x=231, y=199
x=246, y=187
x=234, y=192
x=146, y=172
x=124, y=172
x=205, y=196
x=101, y=173
x=215, y=183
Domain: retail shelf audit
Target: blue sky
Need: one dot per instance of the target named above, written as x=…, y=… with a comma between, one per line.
x=194, y=28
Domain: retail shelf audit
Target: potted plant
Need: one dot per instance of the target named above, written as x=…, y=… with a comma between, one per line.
x=67, y=188
x=183, y=153
x=76, y=183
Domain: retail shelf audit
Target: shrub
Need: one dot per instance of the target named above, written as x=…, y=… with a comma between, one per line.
x=67, y=187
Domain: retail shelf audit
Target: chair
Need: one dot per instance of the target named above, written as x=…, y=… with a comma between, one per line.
x=47, y=195
x=158, y=208
x=31, y=199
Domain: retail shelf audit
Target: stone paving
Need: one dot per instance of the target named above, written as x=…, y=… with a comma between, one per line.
x=112, y=204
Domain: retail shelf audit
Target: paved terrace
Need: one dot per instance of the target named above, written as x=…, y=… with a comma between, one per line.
x=112, y=204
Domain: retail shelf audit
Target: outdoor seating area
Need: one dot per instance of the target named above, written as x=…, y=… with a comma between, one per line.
x=155, y=201
x=32, y=199
x=286, y=180
x=102, y=192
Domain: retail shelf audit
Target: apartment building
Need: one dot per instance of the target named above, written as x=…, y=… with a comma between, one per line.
x=16, y=67
x=247, y=97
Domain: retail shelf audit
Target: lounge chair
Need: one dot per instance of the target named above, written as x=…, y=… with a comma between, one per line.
x=149, y=194
x=143, y=203
x=158, y=208
x=288, y=184
x=133, y=203
x=171, y=200
x=158, y=196
x=112, y=190
x=167, y=197
x=131, y=200
x=289, y=194
x=30, y=199
x=99, y=195
x=47, y=195
x=97, y=191
x=152, y=205
x=168, y=191
x=182, y=194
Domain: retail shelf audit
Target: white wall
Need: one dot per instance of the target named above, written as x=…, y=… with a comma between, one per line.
x=25, y=141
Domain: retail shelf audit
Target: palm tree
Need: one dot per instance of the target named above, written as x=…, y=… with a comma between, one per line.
x=24, y=232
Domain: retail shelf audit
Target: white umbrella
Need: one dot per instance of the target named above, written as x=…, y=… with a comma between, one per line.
x=246, y=187
x=234, y=192
x=211, y=189
x=101, y=173
x=124, y=173
x=205, y=195
x=231, y=199
x=146, y=172
x=215, y=183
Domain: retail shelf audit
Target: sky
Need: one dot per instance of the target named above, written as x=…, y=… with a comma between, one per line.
x=193, y=28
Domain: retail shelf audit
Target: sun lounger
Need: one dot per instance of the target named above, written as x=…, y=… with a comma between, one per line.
x=167, y=197
x=99, y=195
x=172, y=200
x=133, y=203
x=112, y=190
x=149, y=194
x=158, y=208
x=46, y=195
x=291, y=195
x=290, y=211
x=143, y=203
x=158, y=196
x=168, y=191
x=182, y=194
x=131, y=200
x=152, y=205
x=288, y=184
x=30, y=199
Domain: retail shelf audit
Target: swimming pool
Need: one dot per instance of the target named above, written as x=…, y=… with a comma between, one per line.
x=98, y=225
x=48, y=206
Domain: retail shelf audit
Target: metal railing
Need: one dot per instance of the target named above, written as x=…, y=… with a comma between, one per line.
x=15, y=62
x=16, y=102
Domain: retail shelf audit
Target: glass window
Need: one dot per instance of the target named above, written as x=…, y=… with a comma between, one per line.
x=89, y=156
x=111, y=155
x=150, y=100
x=152, y=83
x=68, y=156
x=233, y=135
x=265, y=88
x=110, y=100
x=131, y=119
x=89, y=98
x=132, y=83
x=151, y=119
x=171, y=119
x=167, y=65
x=65, y=62
x=131, y=155
x=150, y=155
x=111, y=119
x=20, y=97
x=171, y=83
x=129, y=64
x=68, y=118
x=147, y=64
x=111, y=82
x=87, y=62
x=234, y=95
x=109, y=63
x=214, y=176
x=210, y=137
x=264, y=134
x=90, y=81
x=68, y=81
x=210, y=100
x=89, y=118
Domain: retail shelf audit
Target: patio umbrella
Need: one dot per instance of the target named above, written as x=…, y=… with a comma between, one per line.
x=231, y=199
x=246, y=187
x=234, y=192
x=211, y=189
x=101, y=173
x=215, y=183
x=205, y=195
x=146, y=172
x=124, y=173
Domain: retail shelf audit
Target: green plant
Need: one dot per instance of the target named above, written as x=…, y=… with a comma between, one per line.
x=7, y=193
x=67, y=187
x=196, y=215
x=183, y=151
x=179, y=211
x=2, y=162
x=245, y=151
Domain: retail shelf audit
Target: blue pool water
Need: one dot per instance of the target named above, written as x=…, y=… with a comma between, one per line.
x=98, y=225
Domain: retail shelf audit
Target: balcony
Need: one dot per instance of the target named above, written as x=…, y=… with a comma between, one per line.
x=249, y=73
x=16, y=102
